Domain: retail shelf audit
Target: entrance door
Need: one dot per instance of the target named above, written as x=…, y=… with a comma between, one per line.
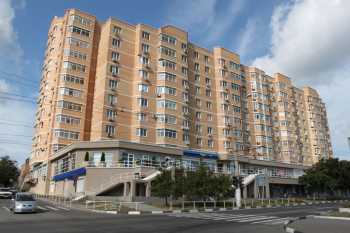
x=80, y=185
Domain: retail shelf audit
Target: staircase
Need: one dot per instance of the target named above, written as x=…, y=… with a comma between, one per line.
x=249, y=179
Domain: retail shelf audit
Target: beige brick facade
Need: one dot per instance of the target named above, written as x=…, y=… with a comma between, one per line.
x=116, y=81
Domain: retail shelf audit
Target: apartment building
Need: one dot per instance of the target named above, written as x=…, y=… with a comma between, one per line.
x=113, y=81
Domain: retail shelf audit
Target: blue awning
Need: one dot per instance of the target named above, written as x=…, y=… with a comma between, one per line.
x=200, y=154
x=71, y=175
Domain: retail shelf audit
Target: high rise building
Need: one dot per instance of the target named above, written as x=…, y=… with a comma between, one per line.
x=113, y=80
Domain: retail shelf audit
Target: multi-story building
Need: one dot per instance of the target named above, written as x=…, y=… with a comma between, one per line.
x=105, y=82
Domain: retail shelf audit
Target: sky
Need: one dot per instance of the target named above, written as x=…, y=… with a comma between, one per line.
x=307, y=40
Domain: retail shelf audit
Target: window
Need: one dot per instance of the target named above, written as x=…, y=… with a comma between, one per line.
x=210, y=143
x=209, y=117
x=166, y=118
x=166, y=133
x=115, y=56
x=210, y=130
x=114, y=69
x=70, y=92
x=145, y=35
x=185, y=110
x=195, y=55
x=142, y=102
x=168, y=39
x=185, y=84
x=77, y=42
x=223, y=83
x=73, y=66
x=166, y=104
x=227, y=144
x=110, y=130
x=145, y=48
x=75, y=54
x=183, y=45
x=141, y=116
x=60, y=133
x=197, y=90
x=141, y=132
x=166, y=90
x=166, y=63
x=208, y=92
x=143, y=74
x=116, y=30
x=69, y=105
x=184, y=70
x=143, y=88
x=207, y=69
x=111, y=114
x=184, y=58
x=186, y=136
x=111, y=99
x=67, y=119
x=198, y=129
x=167, y=76
x=185, y=96
x=197, y=78
x=167, y=51
x=196, y=66
x=113, y=84
x=185, y=124
x=72, y=79
x=206, y=59
x=198, y=115
x=209, y=105
x=199, y=141
x=115, y=43
x=198, y=102
x=79, y=31
x=80, y=20
x=144, y=60
x=235, y=86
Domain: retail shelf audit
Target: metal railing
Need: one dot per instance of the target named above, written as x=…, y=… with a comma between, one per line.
x=59, y=200
x=112, y=205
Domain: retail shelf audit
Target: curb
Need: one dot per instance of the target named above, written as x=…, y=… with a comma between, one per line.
x=208, y=210
x=157, y=212
x=331, y=217
x=104, y=212
x=290, y=229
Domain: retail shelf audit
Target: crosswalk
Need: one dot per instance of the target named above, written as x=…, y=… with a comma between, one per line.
x=231, y=217
x=52, y=208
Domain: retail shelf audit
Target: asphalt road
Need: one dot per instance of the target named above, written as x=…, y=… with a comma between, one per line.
x=53, y=218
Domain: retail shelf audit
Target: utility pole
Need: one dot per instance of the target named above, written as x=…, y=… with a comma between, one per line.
x=173, y=181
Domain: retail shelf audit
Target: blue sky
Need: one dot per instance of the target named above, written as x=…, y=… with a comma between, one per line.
x=303, y=39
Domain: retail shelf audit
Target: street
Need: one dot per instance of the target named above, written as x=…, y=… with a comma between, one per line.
x=53, y=218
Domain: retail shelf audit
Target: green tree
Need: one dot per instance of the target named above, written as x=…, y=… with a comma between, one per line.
x=9, y=171
x=163, y=186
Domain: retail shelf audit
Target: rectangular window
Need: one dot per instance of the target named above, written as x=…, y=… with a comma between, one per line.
x=210, y=143
x=168, y=39
x=75, y=54
x=166, y=90
x=166, y=63
x=79, y=31
x=166, y=118
x=67, y=119
x=72, y=79
x=143, y=74
x=114, y=70
x=60, y=133
x=184, y=71
x=115, y=43
x=145, y=35
x=141, y=116
x=167, y=77
x=143, y=88
x=142, y=102
x=166, y=133
x=73, y=66
x=111, y=114
x=115, y=56
x=116, y=30
x=166, y=104
x=168, y=52
x=141, y=132
x=76, y=42
x=81, y=20
x=69, y=92
x=69, y=105
x=144, y=60
x=184, y=58
x=113, y=84
x=145, y=48
x=111, y=99
x=110, y=130
x=196, y=66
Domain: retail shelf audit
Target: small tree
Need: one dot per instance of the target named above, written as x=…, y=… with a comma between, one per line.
x=8, y=171
x=163, y=186
x=87, y=157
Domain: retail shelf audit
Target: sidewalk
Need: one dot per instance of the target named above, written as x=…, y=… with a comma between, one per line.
x=311, y=225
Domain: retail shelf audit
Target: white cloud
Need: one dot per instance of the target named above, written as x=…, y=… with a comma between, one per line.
x=202, y=18
x=247, y=37
x=310, y=43
x=11, y=112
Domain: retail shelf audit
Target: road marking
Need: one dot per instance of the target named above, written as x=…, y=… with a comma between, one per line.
x=62, y=208
x=257, y=218
x=51, y=208
x=42, y=208
x=6, y=208
x=275, y=223
x=270, y=220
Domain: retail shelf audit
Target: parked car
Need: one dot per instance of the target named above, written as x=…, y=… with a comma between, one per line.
x=23, y=203
x=5, y=193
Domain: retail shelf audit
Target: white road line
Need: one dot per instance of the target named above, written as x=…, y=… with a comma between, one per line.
x=255, y=219
x=270, y=220
x=42, y=208
x=62, y=208
x=51, y=208
x=4, y=207
x=275, y=223
x=244, y=218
